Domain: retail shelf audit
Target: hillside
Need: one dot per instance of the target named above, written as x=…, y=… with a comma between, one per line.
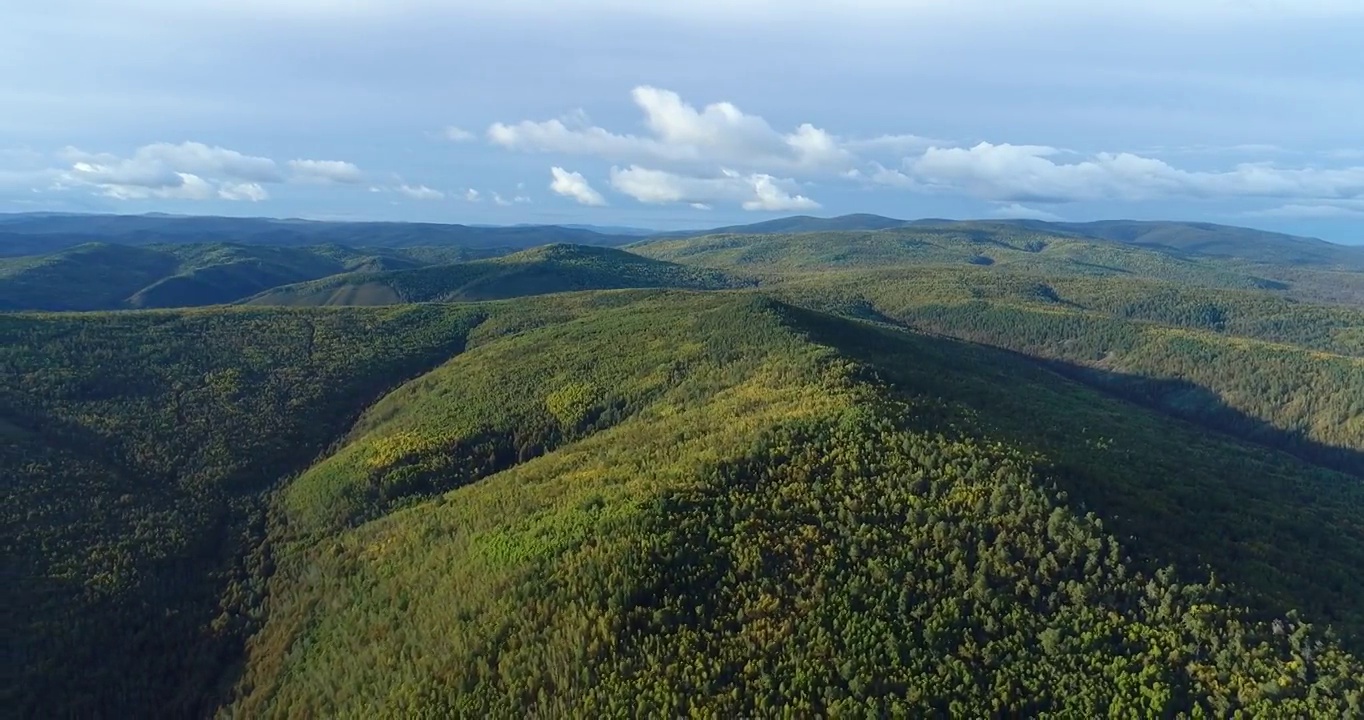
x=139, y=446
x=103, y=276
x=1189, y=239
x=1192, y=338
x=42, y=233
x=786, y=253
x=796, y=224
x=641, y=542
x=1211, y=240
x=549, y=269
x=641, y=502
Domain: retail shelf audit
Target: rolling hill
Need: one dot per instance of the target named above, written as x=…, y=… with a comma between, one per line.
x=549, y=269
x=958, y=244
x=641, y=502
x=797, y=224
x=1236, y=352
x=1211, y=240
x=42, y=233
x=103, y=276
x=927, y=469
x=1184, y=238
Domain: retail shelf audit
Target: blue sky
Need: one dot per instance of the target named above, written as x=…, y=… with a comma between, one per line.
x=668, y=115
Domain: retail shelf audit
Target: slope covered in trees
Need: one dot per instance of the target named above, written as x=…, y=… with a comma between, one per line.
x=137, y=448
x=102, y=276
x=1145, y=500
x=794, y=511
x=42, y=233
x=549, y=269
x=1191, y=338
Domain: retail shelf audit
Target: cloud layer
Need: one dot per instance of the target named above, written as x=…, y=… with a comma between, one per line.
x=190, y=171
x=722, y=154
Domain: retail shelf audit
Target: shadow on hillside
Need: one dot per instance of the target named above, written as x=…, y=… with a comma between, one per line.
x=1199, y=405
x=1281, y=534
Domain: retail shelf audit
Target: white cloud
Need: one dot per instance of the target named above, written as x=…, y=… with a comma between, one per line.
x=574, y=185
x=756, y=191
x=325, y=171
x=421, y=192
x=678, y=158
x=457, y=134
x=243, y=191
x=151, y=165
x=882, y=175
x=185, y=186
x=893, y=144
x=1018, y=211
x=188, y=171
x=1026, y=173
x=473, y=195
x=718, y=134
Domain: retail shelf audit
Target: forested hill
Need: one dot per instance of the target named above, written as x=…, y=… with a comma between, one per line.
x=1185, y=238
x=887, y=470
x=1213, y=240
x=42, y=233
x=104, y=276
x=549, y=269
x=1201, y=340
x=641, y=503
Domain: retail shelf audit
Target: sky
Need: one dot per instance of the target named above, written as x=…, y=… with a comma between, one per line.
x=690, y=114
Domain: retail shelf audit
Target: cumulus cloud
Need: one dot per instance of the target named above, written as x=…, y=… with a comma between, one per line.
x=892, y=144
x=574, y=185
x=718, y=134
x=185, y=186
x=325, y=171
x=243, y=191
x=458, y=134
x=473, y=195
x=153, y=165
x=681, y=157
x=189, y=171
x=421, y=192
x=755, y=191
x=1032, y=173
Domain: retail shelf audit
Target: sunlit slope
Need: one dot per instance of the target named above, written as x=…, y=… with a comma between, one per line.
x=1006, y=249
x=725, y=505
x=1193, y=337
x=1287, y=374
x=549, y=269
x=1023, y=249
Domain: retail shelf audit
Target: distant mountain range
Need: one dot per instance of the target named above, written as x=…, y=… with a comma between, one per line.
x=42, y=233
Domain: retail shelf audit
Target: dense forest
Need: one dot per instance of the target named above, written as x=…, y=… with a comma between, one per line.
x=548, y=269
x=879, y=469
